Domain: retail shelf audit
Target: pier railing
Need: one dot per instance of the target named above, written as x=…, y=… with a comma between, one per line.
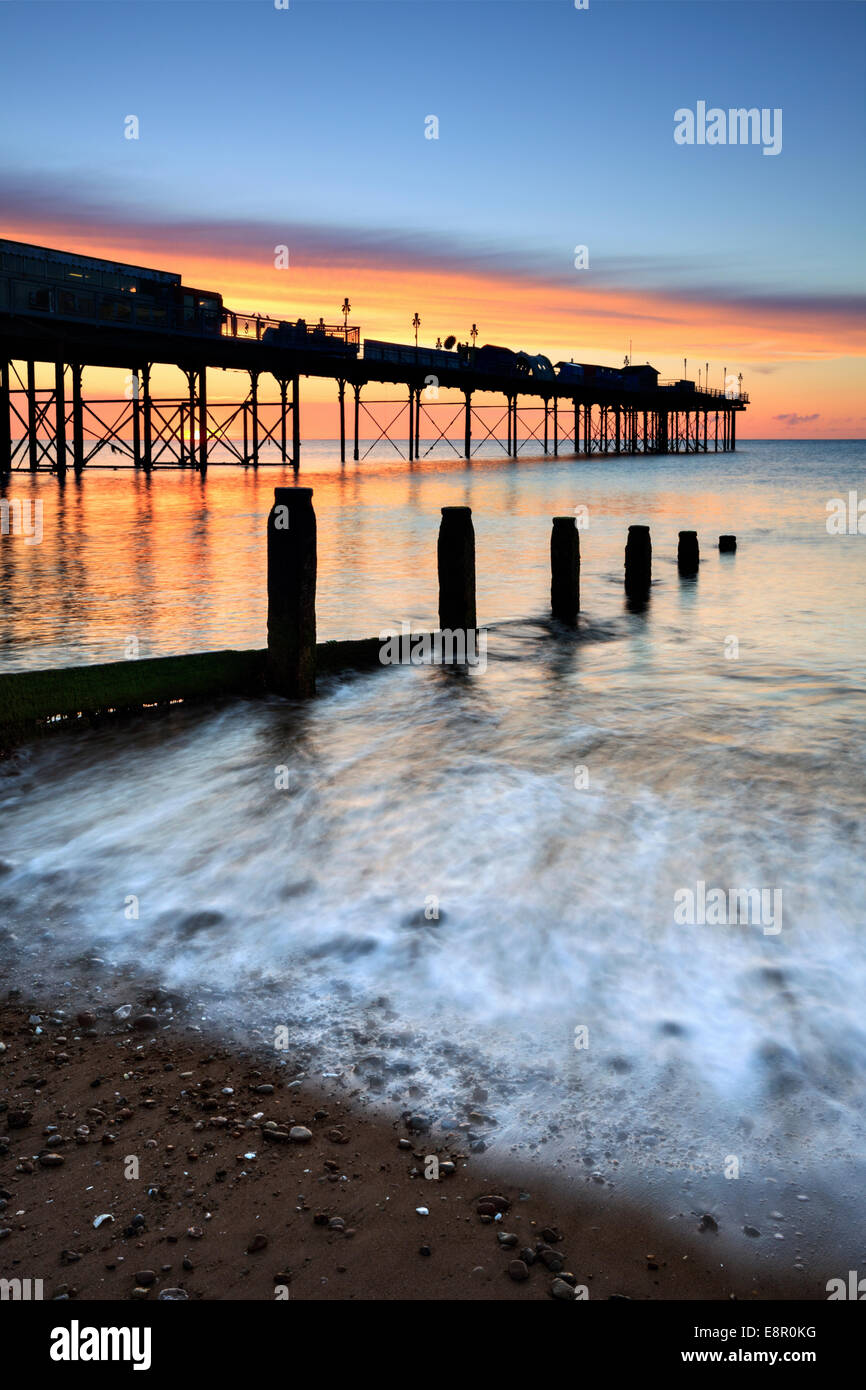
x=254, y=327
x=706, y=391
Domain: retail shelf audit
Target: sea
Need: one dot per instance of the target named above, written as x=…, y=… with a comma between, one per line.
x=610, y=878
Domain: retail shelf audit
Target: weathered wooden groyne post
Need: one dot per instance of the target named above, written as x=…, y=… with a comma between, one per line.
x=688, y=553
x=291, y=660
x=638, y=560
x=727, y=544
x=456, y=557
x=565, y=570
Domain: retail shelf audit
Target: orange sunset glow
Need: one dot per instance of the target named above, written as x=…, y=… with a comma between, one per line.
x=789, y=357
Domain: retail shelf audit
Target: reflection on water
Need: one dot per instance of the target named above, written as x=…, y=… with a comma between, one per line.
x=548, y=808
x=178, y=563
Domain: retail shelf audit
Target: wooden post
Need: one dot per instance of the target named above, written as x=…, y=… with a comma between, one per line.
x=291, y=661
x=456, y=559
x=565, y=570
x=5, y=420
x=60, y=418
x=638, y=560
x=688, y=553
x=296, y=422
x=727, y=544
x=77, y=419
x=32, y=426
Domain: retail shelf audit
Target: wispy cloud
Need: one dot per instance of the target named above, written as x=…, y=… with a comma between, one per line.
x=76, y=212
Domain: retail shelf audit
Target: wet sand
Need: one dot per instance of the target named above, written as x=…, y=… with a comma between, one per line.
x=227, y=1204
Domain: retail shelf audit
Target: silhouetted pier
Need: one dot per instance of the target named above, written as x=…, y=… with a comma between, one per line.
x=59, y=427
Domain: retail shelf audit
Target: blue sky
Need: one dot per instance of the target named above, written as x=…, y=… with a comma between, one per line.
x=555, y=127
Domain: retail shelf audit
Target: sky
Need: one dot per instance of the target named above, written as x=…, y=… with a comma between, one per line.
x=306, y=126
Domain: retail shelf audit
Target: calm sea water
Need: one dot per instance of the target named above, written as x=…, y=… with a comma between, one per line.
x=551, y=808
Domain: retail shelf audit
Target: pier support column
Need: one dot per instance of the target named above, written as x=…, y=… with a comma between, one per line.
x=576, y=426
x=254, y=411
x=357, y=390
x=136, y=418
x=190, y=443
x=411, y=423
x=546, y=418
x=456, y=560
x=5, y=420
x=296, y=422
x=32, y=425
x=555, y=428
x=291, y=661
x=638, y=561
x=467, y=426
x=341, y=397
x=565, y=570
x=417, y=420
x=733, y=429
x=60, y=419
x=587, y=428
x=147, y=419
x=202, y=421
x=617, y=430
x=688, y=553
x=284, y=391
x=245, y=413
x=77, y=419
x=716, y=435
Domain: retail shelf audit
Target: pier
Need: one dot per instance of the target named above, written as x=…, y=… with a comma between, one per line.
x=509, y=399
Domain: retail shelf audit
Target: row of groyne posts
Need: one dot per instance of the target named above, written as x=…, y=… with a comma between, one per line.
x=292, y=567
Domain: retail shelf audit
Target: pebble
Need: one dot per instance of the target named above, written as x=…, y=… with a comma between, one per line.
x=145, y=1277
x=708, y=1223
x=506, y=1238
x=559, y=1289
x=172, y=1295
x=299, y=1134
x=518, y=1271
x=51, y=1160
x=259, y=1242
x=751, y=1231
x=145, y=1023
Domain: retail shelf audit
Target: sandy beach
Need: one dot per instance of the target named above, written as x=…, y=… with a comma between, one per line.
x=252, y=1186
